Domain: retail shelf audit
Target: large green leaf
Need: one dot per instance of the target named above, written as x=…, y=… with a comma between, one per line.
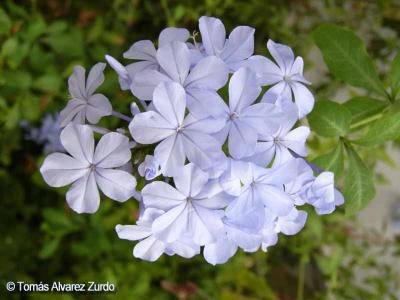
x=362, y=107
x=332, y=161
x=359, y=187
x=330, y=119
x=346, y=57
x=384, y=129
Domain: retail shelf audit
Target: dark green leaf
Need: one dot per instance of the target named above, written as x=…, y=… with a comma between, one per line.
x=346, y=57
x=332, y=161
x=359, y=187
x=330, y=119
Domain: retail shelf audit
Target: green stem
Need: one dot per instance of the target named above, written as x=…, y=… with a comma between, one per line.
x=366, y=121
x=301, y=278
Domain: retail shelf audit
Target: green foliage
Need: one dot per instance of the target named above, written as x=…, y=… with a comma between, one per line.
x=329, y=119
x=345, y=55
x=359, y=186
x=384, y=129
x=332, y=161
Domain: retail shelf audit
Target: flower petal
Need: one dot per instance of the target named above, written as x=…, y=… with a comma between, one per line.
x=209, y=73
x=220, y=251
x=267, y=72
x=213, y=35
x=112, y=151
x=161, y=195
x=73, y=107
x=170, y=100
x=170, y=226
x=174, y=58
x=78, y=141
x=282, y=54
x=83, y=196
x=201, y=149
x=144, y=83
x=239, y=46
x=98, y=106
x=149, y=249
x=242, y=139
x=116, y=184
x=143, y=50
x=59, y=169
x=171, y=155
x=243, y=89
x=171, y=34
x=76, y=83
x=303, y=98
x=150, y=127
x=190, y=180
x=95, y=78
x=132, y=232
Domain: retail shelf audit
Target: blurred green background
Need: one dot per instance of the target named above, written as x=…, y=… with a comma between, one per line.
x=42, y=240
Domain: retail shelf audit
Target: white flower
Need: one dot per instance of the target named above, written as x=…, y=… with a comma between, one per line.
x=180, y=137
x=277, y=147
x=150, y=248
x=84, y=104
x=232, y=50
x=87, y=167
x=192, y=208
x=286, y=76
x=150, y=168
x=244, y=121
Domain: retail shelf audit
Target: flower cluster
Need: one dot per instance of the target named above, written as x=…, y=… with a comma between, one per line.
x=224, y=167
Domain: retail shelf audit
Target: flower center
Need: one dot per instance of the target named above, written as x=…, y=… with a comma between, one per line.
x=287, y=78
x=233, y=116
x=179, y=128
x=92, y=167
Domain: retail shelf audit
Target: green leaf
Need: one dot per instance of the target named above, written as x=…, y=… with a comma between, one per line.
x=332, y=161
x=358, y=187
x=346, y=57
x=384, y=129
x=5, y=22
x=362, y=107
x=330, y=119
x=394, y=74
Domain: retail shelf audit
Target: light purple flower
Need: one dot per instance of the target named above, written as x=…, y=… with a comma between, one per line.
x=286, y=76
x=150, y=248
x=181, y=137
x=244, y=121
x=192, y=208
x=150, y=168
x=87, y=167
x=232, y=50
x=85, y=105
x=277, y=147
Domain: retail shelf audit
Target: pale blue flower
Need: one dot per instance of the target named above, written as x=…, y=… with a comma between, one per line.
x=192, y=208
x=280, y=146
x=232, y=50
x=180, y=137
x=150, y=248
x=150, y=168
x=87, y=166
x=244, y=121
x=85, y=105
x=286, y=76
